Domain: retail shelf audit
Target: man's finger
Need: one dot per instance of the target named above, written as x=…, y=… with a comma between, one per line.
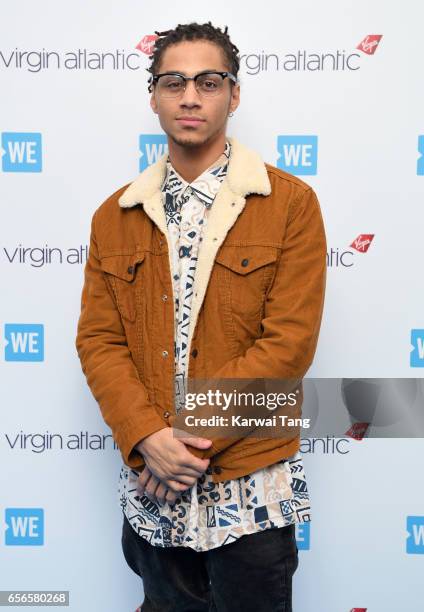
x=160, y=493
x=143, y=480
x=152, y=486
x=170, y=497
x=177, y=487
x=144, y=477
x=197, y=441
x=186, y=469
x=185, y=479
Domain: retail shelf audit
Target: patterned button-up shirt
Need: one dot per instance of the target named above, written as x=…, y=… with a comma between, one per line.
x=208, y=514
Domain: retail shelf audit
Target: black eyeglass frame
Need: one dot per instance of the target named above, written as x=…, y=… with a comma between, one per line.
x=154, y=78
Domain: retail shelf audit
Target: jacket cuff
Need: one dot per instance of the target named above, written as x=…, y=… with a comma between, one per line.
x=134, y=432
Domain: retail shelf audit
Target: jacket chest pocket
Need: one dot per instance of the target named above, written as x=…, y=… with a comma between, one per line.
x=245, y=273
x=123, y=272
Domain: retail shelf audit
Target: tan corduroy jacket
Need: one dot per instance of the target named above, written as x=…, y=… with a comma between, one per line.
x=256, y=309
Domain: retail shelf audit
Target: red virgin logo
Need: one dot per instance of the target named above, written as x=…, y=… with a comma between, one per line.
x=147, y=43
x=362, y=242
x=369, y=46
x=357, y=432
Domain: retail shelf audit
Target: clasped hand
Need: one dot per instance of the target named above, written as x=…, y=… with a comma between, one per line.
x=170, y=468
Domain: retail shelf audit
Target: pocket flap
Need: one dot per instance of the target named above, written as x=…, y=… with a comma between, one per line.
x=245, y=259
x=122, y=266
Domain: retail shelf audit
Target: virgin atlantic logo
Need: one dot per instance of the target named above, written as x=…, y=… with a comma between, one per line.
x=370, y=43
x=147, y=44
x=362, y=242
x=357, y=432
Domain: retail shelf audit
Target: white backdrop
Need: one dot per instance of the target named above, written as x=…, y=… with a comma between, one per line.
x=70, y=137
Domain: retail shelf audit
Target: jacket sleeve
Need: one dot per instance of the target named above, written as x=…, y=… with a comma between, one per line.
x=292, y=315
x=107, y=364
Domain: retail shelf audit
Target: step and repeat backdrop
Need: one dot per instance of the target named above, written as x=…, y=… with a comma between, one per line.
x=330, y=92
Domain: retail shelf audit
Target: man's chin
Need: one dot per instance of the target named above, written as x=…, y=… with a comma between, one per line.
x=189, y=141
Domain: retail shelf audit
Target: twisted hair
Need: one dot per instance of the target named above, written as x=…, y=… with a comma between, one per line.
x=194, y=31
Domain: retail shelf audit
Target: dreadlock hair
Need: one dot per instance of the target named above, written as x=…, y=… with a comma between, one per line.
x=194, y=31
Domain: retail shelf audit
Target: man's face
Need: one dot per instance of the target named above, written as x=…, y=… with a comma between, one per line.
x=189, y=58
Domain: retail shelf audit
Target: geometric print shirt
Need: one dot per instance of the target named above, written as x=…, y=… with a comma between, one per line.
x=208, y=514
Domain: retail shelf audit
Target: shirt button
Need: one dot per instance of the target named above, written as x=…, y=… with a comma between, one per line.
x=130, y=269
x=244, y=262
x=194, y=353
x=164, y=297
x=166, y=414
x=164, y=353
x=217, y=469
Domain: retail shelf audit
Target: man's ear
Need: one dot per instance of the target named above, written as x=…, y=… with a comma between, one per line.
x=235, y=97
x=153, y=102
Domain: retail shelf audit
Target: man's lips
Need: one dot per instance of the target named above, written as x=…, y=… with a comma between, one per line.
x=190, y=120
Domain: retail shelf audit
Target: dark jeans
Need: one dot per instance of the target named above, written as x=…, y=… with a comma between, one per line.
x=253, y=573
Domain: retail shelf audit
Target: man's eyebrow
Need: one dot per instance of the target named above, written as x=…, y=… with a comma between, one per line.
x=199, y=71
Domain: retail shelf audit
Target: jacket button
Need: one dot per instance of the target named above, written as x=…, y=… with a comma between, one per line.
x=166, y=414
x=130, y=269
x=164, y=353
x=194, y=353
x=164, y=297
x=217, y=469
x=244, y=262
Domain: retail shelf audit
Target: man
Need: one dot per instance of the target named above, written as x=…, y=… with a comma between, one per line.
x=210, y=265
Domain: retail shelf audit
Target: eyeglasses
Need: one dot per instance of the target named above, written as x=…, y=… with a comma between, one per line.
x=173, y=84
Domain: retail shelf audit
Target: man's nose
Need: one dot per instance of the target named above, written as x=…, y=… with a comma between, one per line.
x=190, y=95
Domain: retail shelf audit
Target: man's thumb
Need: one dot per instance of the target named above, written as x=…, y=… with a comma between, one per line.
x=196, y=442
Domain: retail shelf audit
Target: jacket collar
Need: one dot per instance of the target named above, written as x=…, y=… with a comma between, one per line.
x=246, y=174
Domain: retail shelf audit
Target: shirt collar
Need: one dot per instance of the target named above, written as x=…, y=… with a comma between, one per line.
x=205, y=186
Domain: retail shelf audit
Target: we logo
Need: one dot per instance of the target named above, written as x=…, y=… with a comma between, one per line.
x=303, y=535
x=298, y=154
x=24, y=527
x=417, y=350
x=420, y=161
x=415, y=539
x=21, y=152
x=24, y=342
x=152, y=146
